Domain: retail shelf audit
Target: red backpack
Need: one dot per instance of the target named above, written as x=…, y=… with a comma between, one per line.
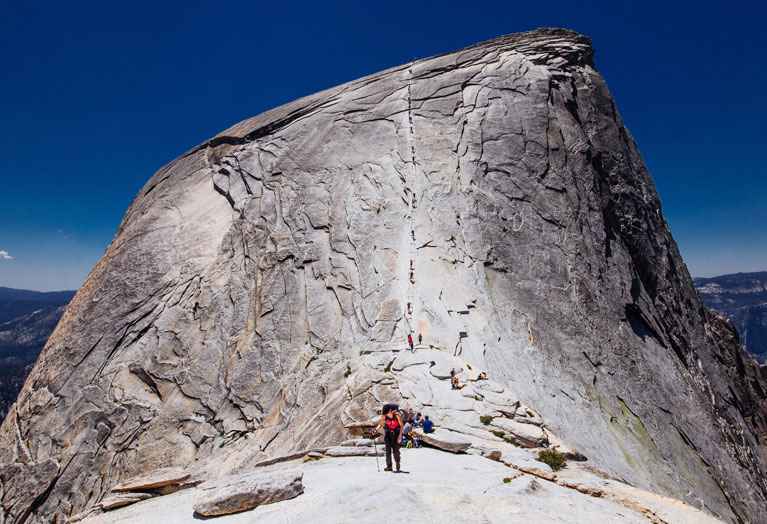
x=392, y=424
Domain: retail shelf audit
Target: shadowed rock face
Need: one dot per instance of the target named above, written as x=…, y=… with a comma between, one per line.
x=227, y=320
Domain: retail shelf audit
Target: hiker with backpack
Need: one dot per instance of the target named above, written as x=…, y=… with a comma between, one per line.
x=410, y=340
x=392, y=424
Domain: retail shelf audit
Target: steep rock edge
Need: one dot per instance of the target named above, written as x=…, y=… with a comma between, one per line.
x=250, y=272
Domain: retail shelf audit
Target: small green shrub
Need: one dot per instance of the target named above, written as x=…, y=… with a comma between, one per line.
x=348, y=371
x=506, y=480
x=388, y=366
x=530, y=414
x=553, y=458
x=499, y=434
x=486, y=419
x=468, y=366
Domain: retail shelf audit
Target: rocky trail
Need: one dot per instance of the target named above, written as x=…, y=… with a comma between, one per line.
x=484, y=451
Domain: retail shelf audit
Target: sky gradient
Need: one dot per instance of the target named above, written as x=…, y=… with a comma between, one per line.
x=96, y=96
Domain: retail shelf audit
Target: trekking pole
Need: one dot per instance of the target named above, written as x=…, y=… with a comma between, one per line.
x=375, y=450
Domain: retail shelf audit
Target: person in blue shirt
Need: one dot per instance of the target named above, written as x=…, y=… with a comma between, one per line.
x=427, y=425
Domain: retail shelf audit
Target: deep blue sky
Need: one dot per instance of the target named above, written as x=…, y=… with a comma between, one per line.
x=96, y=96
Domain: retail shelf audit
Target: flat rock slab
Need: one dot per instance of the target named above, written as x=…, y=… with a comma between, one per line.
x=527, y=415
x=156, y=479
x=352, y=451
x=118, y=500
x=526, y=435
x=444, y=439
x=246, y=492
x=358, y=442
x=525, y=461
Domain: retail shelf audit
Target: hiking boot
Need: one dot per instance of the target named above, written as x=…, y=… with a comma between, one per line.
x=387, y=468
x=397, y=466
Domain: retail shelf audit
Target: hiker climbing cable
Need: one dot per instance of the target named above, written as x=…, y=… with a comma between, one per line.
x=420, y=339
x=392, y=423
x=410, y=341
x=412, y=232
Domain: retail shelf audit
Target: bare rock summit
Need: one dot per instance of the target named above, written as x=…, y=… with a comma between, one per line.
x=258, y=295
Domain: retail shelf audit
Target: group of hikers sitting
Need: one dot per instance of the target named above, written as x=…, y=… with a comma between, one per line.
x=455, y=384
x=397, y=433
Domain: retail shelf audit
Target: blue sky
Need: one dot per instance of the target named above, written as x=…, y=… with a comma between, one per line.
x=96, y=96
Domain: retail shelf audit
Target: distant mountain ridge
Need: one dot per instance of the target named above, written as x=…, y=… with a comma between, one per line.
x=742, y=298
x=27, y=318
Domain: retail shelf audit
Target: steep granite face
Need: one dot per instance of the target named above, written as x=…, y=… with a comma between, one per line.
x=490, y=199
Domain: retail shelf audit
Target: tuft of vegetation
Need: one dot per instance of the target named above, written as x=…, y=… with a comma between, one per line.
x=530, y=414
x=486, y=419
x=553, y=458
x=499, y=434
x=468, y=366
x=388, y=366
x=348, y=371
x=506, y=480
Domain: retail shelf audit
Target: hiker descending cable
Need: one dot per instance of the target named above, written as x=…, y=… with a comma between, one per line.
x=412, y=232
x=420, y=339
x=392, y=423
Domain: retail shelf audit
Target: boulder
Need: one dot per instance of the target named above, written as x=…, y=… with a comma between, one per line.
x=492, y=454
x=244, y=492
x=444, y=439
x=527, y=435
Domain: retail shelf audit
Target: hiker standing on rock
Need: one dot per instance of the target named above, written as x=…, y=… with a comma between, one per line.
x=410, y=341
x=392, y=423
